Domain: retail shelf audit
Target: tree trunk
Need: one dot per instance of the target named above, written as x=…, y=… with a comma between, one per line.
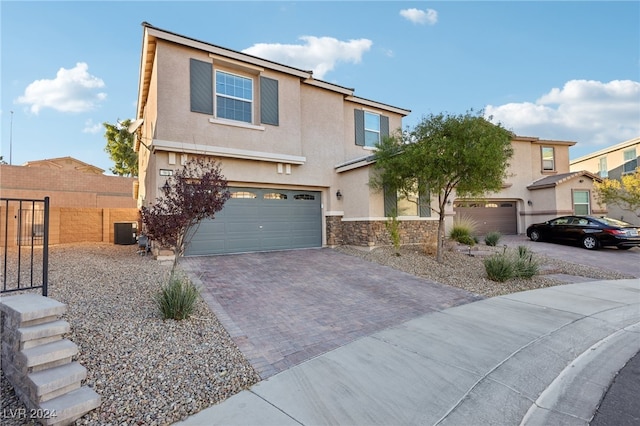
x=441, y=236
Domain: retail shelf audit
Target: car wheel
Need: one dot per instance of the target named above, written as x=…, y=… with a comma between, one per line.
x=590, y=243
x=534, y=236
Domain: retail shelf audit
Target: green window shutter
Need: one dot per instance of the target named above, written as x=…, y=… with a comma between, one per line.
x=424, y=201
x=359, y=125
x=201, y=86
x=390, y=202
x=269, y=101
x=384, y=126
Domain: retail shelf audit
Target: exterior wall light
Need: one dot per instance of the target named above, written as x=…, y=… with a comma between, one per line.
x=530, y=203
x=339, y=195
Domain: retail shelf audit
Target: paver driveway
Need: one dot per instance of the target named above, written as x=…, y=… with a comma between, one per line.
x=283, y=308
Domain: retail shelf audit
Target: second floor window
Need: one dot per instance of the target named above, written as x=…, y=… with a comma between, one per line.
x=603, y=172
x=371, y=129
x=234, y=97
x=630, y=161
x=548, y=160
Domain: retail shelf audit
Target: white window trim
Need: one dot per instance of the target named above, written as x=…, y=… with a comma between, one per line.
x=371, y=130
x=553, y=158
x=216, y=94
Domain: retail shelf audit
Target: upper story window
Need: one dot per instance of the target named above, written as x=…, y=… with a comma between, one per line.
x=603, y=171
x=234, y=97
x=630, y=161
x=370, y=127
x=548, y=159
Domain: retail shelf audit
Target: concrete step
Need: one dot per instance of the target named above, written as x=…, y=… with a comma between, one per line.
x=66, y=408
x=40, y=334
x=31, y=309
x=53, y=382
x=46, y=356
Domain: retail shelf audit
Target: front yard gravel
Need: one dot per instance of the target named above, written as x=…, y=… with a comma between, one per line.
x=154, y=372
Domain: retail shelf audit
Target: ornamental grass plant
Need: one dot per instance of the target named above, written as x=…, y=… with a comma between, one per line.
x=176, y=299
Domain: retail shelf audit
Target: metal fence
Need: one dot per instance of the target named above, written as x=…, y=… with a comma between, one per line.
x=24, y=229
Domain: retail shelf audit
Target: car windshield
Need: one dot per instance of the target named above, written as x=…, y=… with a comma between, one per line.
x=614, y=222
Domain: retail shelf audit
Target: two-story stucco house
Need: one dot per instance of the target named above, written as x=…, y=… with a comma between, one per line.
x=297, y=153
x=539, y=186
x=295, y=150
x=613, y=162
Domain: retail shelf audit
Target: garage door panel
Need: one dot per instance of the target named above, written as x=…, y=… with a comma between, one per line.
x=490, y=216
x=272, y=220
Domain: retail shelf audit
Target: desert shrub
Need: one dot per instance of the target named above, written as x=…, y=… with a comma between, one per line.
x=492, y=238
x=430, y=244
x=524, y=265
x=176, y=300
x=499, y=267
x=393, y=228
x=506, y=265
x=463, y=230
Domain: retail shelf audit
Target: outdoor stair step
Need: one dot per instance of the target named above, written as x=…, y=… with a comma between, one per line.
x=47, y=356
x=65, y=409
x=31, y=309
x=53, y=382
x=39, y=334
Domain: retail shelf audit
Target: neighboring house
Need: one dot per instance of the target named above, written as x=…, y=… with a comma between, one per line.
x=613, y=162
x=297, y=153
x=84, y=203
x=539, y=186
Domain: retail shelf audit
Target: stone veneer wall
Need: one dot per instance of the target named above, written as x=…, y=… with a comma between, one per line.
x=370, y=233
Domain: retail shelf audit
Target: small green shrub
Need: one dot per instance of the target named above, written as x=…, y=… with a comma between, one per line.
x=492, y=238
x=176, y=300
x=499, y=267
x=506, y=265
x=525, y=266
x=463, y=230
x=393, y=228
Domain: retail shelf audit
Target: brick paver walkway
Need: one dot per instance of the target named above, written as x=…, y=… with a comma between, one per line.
x=283, y=308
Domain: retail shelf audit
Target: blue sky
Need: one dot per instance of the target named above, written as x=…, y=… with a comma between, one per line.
x=563, y=70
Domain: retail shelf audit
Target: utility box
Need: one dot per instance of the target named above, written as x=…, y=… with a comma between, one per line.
x=124, y=233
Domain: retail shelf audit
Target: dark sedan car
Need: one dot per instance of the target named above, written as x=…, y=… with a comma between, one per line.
x=589, y=231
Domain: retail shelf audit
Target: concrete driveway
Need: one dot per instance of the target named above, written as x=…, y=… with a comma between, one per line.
x=611, y=258
x=283, y=308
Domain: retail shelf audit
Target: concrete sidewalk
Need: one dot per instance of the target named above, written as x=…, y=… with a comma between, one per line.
x=538, y=357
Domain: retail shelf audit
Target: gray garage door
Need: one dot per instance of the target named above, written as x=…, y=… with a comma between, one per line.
x=490, y=215
x=261, y=220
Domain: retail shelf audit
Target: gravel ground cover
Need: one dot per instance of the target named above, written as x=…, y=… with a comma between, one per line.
x=154, y=372
x=148, y=371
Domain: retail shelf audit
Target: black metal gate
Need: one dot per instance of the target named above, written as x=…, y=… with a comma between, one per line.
x=24, y=228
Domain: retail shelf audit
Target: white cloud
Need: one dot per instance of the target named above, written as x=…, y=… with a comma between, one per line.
x=91, y=127
x=73, y=90
x=318, y=54
x=417, y=16
x=592, y=113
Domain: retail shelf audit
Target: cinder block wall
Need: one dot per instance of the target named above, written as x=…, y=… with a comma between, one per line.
x=83, y=206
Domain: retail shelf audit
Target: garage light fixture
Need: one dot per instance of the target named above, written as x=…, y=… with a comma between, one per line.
x=339, y=195
x=530, y=203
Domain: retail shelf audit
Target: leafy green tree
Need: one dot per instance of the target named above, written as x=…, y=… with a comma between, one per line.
x=466, y=153
x=624, y=192
x=120, y=147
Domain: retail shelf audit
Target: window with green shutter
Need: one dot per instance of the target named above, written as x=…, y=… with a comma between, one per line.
x=370, y=127
x=406, y=205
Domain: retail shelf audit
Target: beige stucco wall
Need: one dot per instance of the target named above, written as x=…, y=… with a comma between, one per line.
x=316, y=129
